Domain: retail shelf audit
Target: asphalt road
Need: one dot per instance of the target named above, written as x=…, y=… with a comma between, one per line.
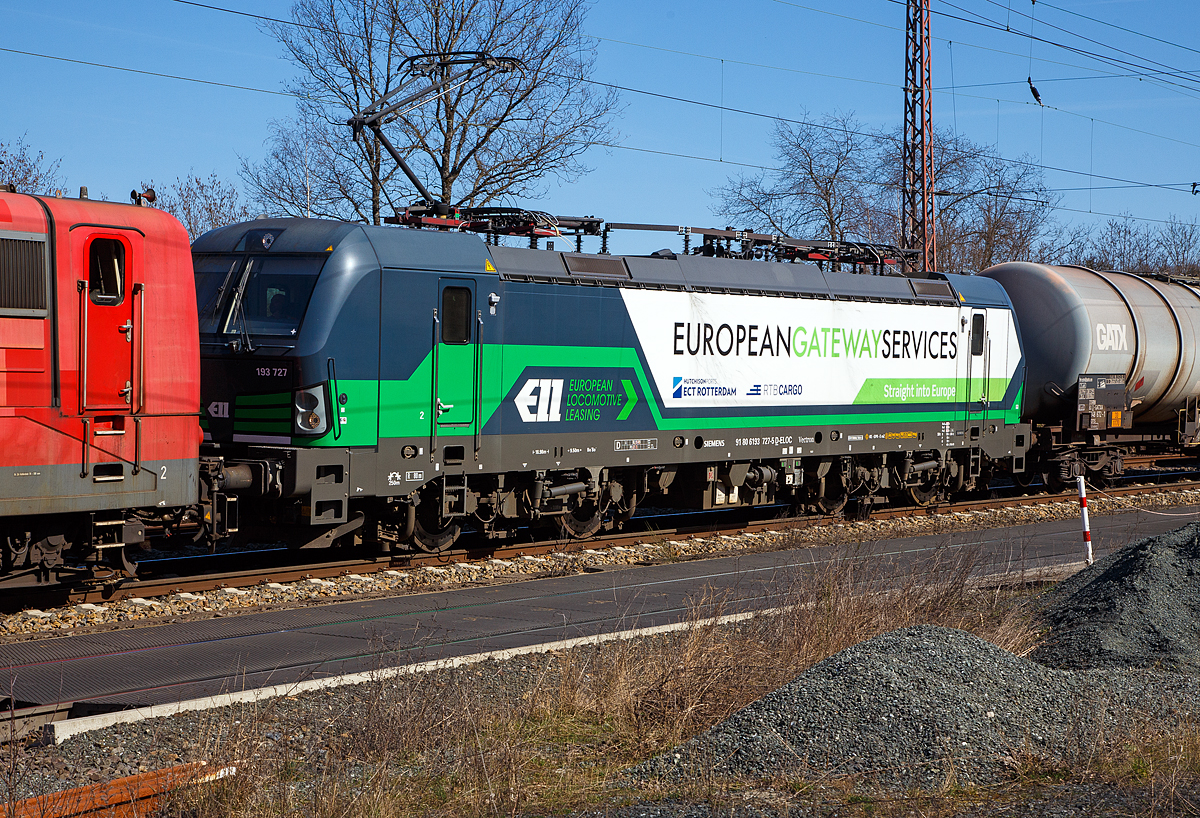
x=173, y=662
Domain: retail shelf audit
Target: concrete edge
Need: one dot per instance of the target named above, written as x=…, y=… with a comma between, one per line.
x=67, y=728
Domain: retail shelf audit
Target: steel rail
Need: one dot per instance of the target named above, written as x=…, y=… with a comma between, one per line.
x=147, y=588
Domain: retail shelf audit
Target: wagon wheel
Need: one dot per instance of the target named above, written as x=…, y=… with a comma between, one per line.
x=1099, y=479
x=1053, y=481
x=582, y=521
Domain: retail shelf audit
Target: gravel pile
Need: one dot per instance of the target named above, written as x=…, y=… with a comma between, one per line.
x=921, y=707
x=1138, y=607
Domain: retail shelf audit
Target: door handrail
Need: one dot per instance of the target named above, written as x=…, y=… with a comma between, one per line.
x=331, y=368
x=139, y=292
x=82, y=287
x=477, y=398
x=87, y=429
x=433, y=404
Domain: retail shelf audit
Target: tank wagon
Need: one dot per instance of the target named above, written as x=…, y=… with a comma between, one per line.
x=400, y=384
x=1112, y=365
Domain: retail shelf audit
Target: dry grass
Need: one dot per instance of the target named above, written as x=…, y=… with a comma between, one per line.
x=454, y=743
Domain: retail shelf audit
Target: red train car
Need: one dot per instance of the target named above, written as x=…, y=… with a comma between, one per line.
x=99, y=381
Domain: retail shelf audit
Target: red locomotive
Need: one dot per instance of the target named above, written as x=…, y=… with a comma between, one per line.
x=99, y=382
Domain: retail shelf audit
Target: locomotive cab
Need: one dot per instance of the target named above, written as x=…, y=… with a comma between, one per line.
x=274, y=405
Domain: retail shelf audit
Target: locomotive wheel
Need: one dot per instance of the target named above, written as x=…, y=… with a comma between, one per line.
x=832, y=505
x=925, y=494
x=16, y=552
x=582, y=522
x=835, y=495
x=433, y=535
x=1024, y=479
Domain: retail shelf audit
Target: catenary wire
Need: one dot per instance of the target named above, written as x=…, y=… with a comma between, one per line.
x=1121, y=28
x=966, y=44
x=710, y=105
x=1114, y=61
x=1131, y=129
x=1080, y=36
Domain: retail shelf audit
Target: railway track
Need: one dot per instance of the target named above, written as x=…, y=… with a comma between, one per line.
x=649, y=530
x=23, y=718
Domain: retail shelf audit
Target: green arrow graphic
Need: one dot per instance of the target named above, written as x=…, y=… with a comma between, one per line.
x=631, y=400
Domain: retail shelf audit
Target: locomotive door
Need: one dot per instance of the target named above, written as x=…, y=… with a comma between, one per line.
x=456, y=360
x=976, y=363
x=110, y=318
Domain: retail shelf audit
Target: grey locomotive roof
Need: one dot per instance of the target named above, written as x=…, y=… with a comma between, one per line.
x=731, y=275
x=459, y=252
x=428, y=249
x=394, y=247
x=294, y=235
x=980, y=292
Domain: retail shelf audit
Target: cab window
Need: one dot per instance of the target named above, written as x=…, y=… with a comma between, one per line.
x=106, y=271
x=977, y=334
x=456, y=315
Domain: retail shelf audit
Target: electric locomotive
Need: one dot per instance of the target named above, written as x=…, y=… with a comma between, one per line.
x=99, y=384
x=399, y=385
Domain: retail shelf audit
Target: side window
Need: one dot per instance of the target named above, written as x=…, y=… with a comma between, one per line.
x=977, y=334
x=456, y=315
x=106, y=271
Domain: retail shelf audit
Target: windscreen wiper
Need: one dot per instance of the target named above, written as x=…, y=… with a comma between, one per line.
x=239, y=307
x=214, y=303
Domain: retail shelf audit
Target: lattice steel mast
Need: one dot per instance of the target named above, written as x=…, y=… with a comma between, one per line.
x=917, y=207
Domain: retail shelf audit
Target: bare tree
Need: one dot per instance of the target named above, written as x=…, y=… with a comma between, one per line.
x=1063, y=244
x=26, y=171
x=1003, y=217
x=1123, y=244
x=989, y=209
x=497, y=136
x=839, y=182
x=1179, y=246
x=821, y=188
x=201, y=204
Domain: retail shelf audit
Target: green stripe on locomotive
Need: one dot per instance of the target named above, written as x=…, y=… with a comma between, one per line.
x=401, y=408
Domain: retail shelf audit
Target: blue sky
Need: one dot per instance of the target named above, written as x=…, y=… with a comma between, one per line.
x=770, y=57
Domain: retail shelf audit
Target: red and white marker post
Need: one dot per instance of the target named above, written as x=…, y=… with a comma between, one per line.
x=1087, y=528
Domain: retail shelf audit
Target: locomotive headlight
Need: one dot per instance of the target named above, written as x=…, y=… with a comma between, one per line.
x=310, y=415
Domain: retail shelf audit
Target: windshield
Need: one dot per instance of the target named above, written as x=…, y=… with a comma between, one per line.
x=214, y=276
x=275, y=295
x=259, y=295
